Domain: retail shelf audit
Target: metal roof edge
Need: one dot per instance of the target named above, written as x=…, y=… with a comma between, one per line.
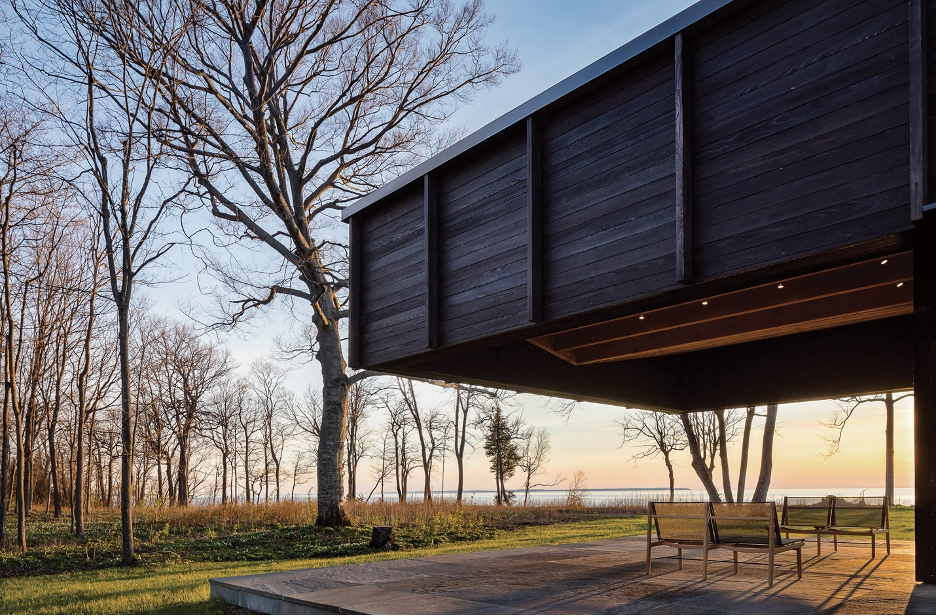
x=622, y=54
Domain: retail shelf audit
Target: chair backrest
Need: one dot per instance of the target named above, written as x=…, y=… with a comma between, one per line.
x=859, y=511
x=679, y=521
x=813, y=511
x=744, y=523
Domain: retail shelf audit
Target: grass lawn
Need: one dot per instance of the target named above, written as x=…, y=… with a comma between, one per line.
x=162, y=585
x=182, y=588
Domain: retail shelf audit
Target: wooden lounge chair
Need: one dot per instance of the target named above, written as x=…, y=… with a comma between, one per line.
x=749, y=527
x=866, y=516
x=807, y=515
x=678, y=525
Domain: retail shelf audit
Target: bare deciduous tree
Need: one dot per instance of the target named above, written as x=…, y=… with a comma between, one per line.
x=656, y=434
x=766, y=468
x=220, y=424
x=534, y=456
x=189, y=369
x=840, y=418
x=268, y=381
x=112, y=120
x=363, y=396
x=575, y=493
x=428, y=425
x=301, y=106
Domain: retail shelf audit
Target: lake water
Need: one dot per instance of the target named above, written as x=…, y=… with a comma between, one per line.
x=632, y=496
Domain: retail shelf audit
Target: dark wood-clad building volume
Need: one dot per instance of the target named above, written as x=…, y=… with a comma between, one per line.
x=731, y=209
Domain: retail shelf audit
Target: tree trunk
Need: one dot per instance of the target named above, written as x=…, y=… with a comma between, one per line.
x=352, y=474
x=745, y=446
x=763, y=481
x=10, y=391
x=461, y=479
x=110, y=481
x=224, y=476
x=889, y=449
x=61, y=356
x=53, y=473
x=4, y=465
x=266, y=471
x=182, y=473
x=526, y=488
x=29, y=438
x=246, y=468
x=461, y=412
x=276, y=476
x=698, y=463
x=126, y=431
x=427, y=484
x=723, y=454
x=170, y=482
x=82, y=385
x=672, y=478
x=397, y=466
x=90, y=473
x=159, y=474
x=18, y=481
x=334, y=418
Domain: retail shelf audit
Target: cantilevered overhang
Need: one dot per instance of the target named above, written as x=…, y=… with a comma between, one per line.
x=840, y=325
x=865, y=291
x=717, y=213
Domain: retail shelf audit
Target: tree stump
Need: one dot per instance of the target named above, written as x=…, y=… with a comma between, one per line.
x=382, y=537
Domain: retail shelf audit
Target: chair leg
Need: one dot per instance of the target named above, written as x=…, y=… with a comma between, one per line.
x=680, y=558
x=799, y=563
x=818, y=543
x=735, y=562
x=705, y=563
x=770, y=560
x=887, y=536
x=873, y=541
x=835, y=541
x=649, y=541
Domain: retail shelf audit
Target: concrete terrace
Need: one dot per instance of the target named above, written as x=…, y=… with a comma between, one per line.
x=600, y=577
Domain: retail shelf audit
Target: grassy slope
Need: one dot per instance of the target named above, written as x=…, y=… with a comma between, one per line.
x=181, y=587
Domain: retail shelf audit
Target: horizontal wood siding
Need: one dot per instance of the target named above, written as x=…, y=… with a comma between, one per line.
x=393, y=297
x=482, y=240
x=800, y=131
x=608, y=182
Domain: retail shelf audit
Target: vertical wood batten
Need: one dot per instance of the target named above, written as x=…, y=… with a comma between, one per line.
x=431, y=252
x=683, y=164
x=355, y=249
x=924, y=400
x=919, y=189
x=534, y=222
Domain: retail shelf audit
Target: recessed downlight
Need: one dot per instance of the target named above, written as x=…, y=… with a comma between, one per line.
x=705, y=303
x=641, y=317
x=899, y=284
x=884, y=262
x=780, y=286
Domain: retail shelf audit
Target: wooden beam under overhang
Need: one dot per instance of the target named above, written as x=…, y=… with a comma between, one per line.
x=864, y=291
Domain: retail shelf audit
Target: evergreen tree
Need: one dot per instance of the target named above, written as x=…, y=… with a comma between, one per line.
x=500, y=446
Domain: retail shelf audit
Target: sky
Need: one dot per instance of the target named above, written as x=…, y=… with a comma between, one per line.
x=555, y=38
